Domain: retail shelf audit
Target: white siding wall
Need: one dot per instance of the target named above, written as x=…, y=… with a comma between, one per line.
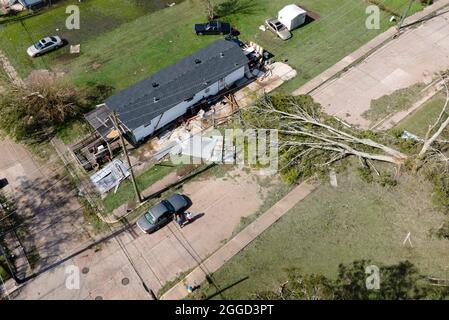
x=180, y=109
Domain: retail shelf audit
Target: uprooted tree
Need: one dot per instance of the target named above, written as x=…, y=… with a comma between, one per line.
x=400, y=281
x=31, y=111
x=437, y=133
x=310, y=141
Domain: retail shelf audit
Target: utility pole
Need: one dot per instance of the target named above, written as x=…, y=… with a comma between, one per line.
x=404, y=15
x=122, y=141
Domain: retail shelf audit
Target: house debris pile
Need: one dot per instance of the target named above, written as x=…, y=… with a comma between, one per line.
x=273, y=76
x=110, y=176
x=99, y=147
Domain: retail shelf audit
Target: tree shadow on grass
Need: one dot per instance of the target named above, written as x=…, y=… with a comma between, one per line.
x=230, y=7
x=219, y=292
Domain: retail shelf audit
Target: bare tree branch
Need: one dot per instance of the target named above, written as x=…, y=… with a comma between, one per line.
x=443, y=125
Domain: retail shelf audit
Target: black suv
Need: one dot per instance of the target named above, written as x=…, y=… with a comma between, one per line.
x=213, y=27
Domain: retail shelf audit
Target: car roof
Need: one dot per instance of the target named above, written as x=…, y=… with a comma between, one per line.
x=48, y=39
x=177, y=201
x=158, y=210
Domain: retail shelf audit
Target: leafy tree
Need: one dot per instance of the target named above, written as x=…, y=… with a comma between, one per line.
x=401, y=281
x=301, y=287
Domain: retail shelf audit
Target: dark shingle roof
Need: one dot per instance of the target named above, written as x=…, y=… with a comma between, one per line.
x=139, y=104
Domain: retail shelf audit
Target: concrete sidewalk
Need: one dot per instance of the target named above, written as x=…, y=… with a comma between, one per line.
x=416, y=57
x=365, y=50
x=239, y=242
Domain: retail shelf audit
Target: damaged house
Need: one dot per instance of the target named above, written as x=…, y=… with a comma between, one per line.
x=156, y=101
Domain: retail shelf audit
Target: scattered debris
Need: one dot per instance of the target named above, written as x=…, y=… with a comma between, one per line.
x=410, y=136
x=75, y=48
x=110, y=176
x=333, y=179
x=408, y=239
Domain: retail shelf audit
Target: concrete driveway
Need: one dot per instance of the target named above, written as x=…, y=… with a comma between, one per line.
x=117, y=267
x=46, y=202
x=16, y=165
x=412, y=58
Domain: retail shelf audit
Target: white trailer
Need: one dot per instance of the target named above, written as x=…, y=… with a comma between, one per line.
x=292, y=16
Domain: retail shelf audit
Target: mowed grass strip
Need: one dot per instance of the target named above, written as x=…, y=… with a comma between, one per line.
x=399, y=100
x=126, y=190
x=354, y=221
x=418, y=122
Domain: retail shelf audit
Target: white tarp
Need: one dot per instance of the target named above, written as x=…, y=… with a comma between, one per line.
x=199, y=147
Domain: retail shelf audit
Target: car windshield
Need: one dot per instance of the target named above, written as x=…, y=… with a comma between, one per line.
x=278, y=26
x=150, y=217
x=38, y=45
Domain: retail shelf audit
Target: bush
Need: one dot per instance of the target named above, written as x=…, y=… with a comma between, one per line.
x=443, y=232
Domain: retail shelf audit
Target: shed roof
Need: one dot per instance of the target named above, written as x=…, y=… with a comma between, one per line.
x=149, y=98
x=291, y=11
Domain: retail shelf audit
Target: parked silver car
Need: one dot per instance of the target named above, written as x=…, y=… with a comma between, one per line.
x=278, y=28
x=44, y=45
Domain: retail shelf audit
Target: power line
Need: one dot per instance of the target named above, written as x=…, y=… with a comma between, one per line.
x=125, y=151
x=197, y=259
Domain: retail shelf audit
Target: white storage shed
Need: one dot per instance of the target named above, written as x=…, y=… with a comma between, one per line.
x=292, y=16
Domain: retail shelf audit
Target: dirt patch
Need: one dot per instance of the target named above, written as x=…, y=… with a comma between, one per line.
x=314, y=16
x=95, y=66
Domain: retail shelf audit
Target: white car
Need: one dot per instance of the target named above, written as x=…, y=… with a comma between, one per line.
x=278, y=28
x=44, y=45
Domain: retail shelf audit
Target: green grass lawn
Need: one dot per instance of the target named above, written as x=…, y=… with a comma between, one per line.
x=97, y=18
x=73, y=131
x=126, y=190
x=124, y=43
x=419, y=121
x=340, y=225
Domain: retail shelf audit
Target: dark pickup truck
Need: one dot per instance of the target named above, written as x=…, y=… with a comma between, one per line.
x=213, y=27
